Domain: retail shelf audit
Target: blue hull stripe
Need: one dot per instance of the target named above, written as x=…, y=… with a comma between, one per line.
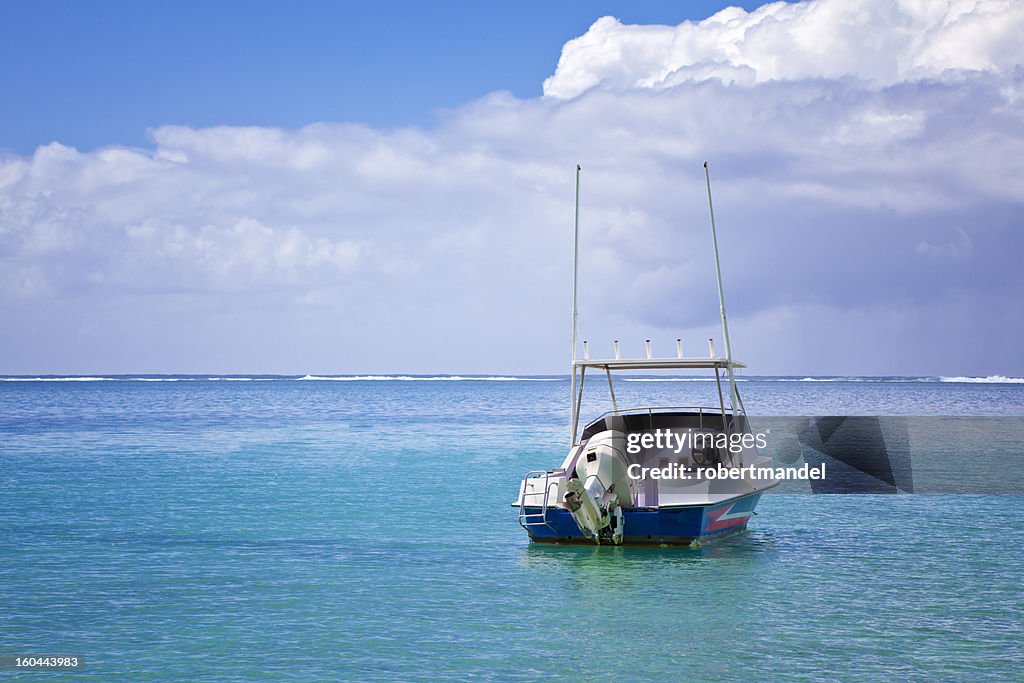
x=664, y=525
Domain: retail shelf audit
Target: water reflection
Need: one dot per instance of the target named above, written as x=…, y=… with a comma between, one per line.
x=745, y=548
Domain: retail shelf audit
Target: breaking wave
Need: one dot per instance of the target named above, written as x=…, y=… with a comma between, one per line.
x=58, y=379
x=991, y=379
x=435, y=378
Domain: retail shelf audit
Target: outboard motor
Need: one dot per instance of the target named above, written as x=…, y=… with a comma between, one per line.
x=601, y=488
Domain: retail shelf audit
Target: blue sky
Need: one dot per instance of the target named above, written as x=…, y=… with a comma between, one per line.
x=333, y=188
x=89, y=74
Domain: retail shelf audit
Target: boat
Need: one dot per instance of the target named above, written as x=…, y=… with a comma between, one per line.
x=651, y=475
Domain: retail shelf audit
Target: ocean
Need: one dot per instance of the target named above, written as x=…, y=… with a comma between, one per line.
x=301, y=528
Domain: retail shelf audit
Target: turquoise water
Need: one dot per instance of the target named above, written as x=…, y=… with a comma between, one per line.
x=307, y=530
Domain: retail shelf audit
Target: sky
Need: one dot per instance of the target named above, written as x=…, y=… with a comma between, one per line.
x=321, y=187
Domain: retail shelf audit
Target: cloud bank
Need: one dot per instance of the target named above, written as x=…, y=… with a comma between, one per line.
x=866, y=166
x=879, y=42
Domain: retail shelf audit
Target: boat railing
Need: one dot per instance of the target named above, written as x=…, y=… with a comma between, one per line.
x=528, y=519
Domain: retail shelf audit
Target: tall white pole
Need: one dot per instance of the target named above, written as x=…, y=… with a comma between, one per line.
x=733, y=397
x=575, y=310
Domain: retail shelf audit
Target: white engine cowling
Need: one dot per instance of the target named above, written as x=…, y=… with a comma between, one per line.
x=602, y=487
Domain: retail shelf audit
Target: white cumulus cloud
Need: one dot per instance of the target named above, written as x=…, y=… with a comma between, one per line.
x=881, y=41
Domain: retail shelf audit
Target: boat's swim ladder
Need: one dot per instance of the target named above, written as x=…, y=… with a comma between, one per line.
x=535, y=519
